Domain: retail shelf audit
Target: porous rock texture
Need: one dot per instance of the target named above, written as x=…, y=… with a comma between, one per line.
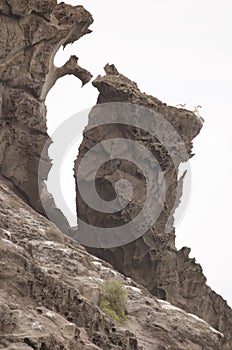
x=50, y=290
x=152, y=260
x=31, y=32
x=49, y=284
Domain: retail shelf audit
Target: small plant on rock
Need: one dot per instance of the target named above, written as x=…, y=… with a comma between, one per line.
x=113, y=300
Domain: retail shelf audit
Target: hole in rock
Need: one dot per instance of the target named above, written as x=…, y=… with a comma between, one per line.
x=29, y=342
x=65, y=100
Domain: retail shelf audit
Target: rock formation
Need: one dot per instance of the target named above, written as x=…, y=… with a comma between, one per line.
x=49, y=295
x=152, y=260
x=31, y=33
x=49, y=284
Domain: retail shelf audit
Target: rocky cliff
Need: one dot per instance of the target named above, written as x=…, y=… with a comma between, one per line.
x=31, y=33
x=152, y=259
x=49, y=284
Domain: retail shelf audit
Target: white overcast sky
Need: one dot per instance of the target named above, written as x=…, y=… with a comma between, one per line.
x=180, y=52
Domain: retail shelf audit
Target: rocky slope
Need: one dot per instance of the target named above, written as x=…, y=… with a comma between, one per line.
x=49, y=295
x=152, y=259
x=49, y=284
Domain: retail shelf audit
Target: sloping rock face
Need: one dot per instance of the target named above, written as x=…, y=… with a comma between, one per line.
x=31, y=33
x=49, y=284
x=50, y=288
x=152, y=260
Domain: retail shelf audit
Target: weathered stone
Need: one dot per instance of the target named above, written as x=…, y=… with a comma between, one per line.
x=152, y=260
x=50, y=288
x=49, y=284
x=31, y=32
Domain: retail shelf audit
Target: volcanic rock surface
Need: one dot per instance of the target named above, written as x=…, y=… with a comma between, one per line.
x=152, y=260
x=49, y=284
x=31, y=32
x=50, y=288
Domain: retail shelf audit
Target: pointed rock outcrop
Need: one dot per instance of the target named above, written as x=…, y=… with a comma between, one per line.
x=152, y=259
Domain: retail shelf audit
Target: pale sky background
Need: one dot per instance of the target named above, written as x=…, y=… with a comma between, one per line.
x=180, y=52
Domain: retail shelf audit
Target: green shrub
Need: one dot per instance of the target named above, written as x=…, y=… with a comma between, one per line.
x=113, y=300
